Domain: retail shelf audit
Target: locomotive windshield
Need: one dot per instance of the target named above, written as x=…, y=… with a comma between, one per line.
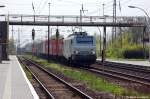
x=84, y=40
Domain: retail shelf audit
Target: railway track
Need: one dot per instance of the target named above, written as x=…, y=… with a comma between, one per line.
x=124, y=72
x=55, y=87
x=135, y=70
x=42, y=87
x=131, y=67
x=120, y=75
x=139, y=81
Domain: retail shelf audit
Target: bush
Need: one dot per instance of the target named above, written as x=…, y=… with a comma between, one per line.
x=129, y=52
x=136, y=52
x=114, y=52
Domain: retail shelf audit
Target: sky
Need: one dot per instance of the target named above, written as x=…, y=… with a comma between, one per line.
x=67, y=7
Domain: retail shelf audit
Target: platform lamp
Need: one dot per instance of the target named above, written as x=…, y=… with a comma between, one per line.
x=1, y=6
x=146, y=20
x=33, y=30
x=48, y=56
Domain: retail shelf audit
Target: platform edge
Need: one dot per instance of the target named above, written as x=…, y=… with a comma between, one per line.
x=28, y=82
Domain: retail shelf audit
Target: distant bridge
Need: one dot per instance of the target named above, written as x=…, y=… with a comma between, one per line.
x=45, y=20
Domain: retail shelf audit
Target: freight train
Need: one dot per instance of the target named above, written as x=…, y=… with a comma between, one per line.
x=78, y=47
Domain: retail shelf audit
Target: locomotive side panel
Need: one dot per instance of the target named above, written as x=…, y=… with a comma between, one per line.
x=67, y=48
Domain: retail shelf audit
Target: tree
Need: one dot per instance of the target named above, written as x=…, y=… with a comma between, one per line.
x=98, y=46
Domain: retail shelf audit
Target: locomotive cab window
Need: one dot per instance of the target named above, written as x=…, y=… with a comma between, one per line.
x=84, y=40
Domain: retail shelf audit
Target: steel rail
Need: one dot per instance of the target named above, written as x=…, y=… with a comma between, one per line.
x=136, y=68
x=116, y=76
x=84, y=95
x=50, y=96
x=123, y=74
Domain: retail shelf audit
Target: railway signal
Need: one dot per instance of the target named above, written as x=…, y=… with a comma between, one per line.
x=57, y=37
x=33, y=34
x=57, y=33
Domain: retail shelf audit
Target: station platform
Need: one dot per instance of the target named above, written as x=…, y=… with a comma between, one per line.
x=141, y=63
x=13, y=81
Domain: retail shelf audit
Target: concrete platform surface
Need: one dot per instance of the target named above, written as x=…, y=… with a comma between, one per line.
x=141, y=63
x=13, y=81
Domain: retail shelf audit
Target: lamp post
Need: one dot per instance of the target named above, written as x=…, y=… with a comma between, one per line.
x=1, y=6
x=103, y=9
x=147, y=22
x=144, y=12
x=81, y=11
x=48, y=32
x=33, y=31
x=104, y=41
x=140, y=9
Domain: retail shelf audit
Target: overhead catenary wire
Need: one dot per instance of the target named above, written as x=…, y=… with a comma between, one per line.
x=109, y=8
x=123, y=2
x=68, y=1
x=38, y=8
x=42, y=8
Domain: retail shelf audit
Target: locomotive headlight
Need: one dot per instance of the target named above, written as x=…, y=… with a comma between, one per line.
x=76, y=52
x=93, y=52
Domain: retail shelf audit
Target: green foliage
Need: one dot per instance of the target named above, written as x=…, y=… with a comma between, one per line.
x=94, y=82
x=114, y=52
x=28, y=74
x=126, y=48
x=135, y=51
x=97, y=44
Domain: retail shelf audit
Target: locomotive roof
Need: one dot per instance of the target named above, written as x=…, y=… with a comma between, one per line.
x=78, y=34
